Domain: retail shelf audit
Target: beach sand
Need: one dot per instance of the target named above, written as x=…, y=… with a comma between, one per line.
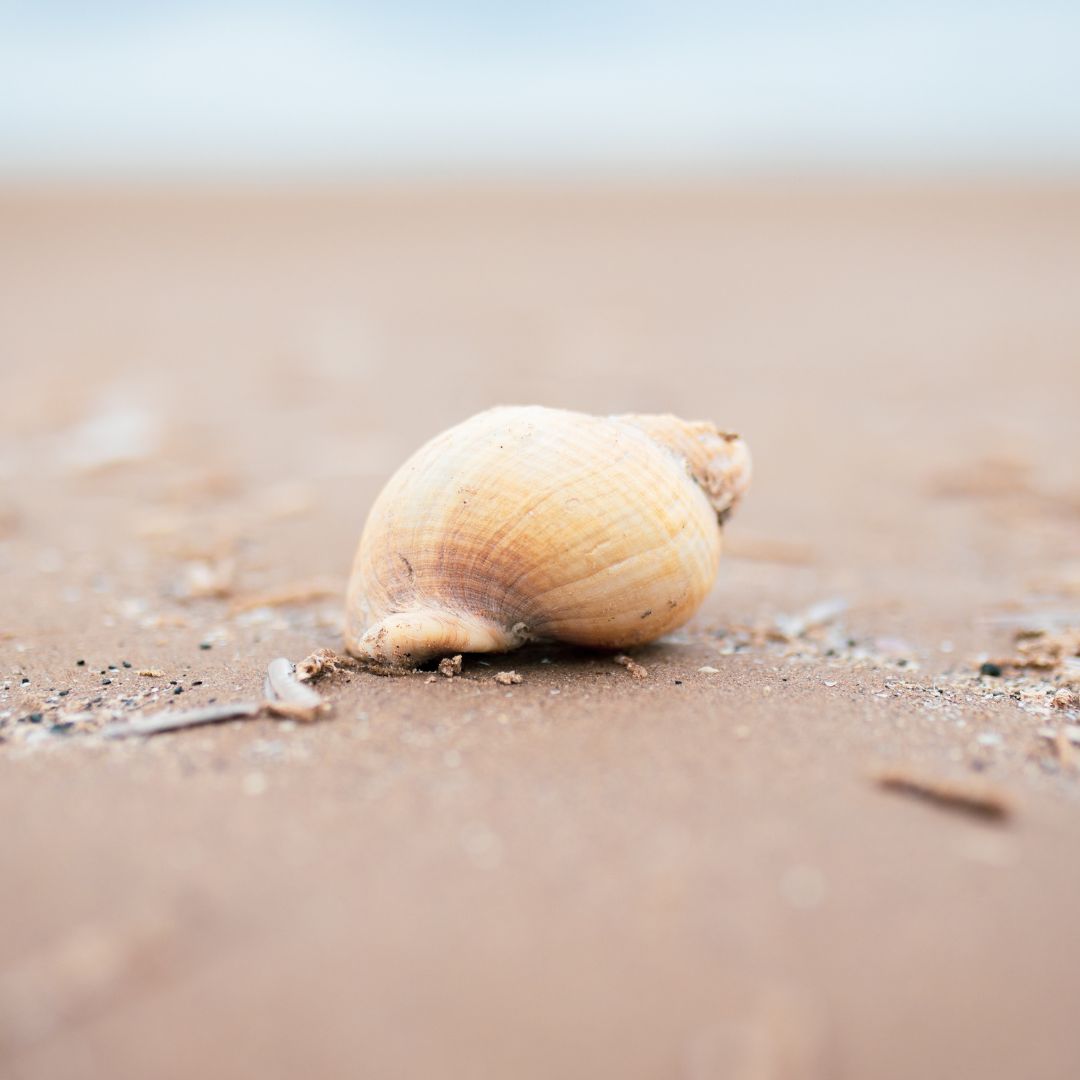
x=693, y=875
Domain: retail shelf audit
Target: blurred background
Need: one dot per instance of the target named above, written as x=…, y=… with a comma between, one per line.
x=849, y=231
x=252, y=254
x=335, y=89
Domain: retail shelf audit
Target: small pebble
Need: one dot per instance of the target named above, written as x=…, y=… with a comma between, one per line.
x=993, y=670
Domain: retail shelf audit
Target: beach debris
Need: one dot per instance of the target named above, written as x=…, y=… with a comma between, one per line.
x=632, y=666
x=449, y=666
x=793, y=627
x=1046, y=650
x=176, y=721
x=288, y=697
x=296, y=593
x=507, y=678
x=116, y=433
x=203, y=579
x=1069, y=731
x=969, y=796
x=323, y=662
x=708, y=670
x=986, y=478
x=151, y=672
x=1042, y=649
x=1063, y=739
x=1065, y=753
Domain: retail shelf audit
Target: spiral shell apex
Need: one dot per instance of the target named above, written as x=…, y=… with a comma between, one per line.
x=532, y=524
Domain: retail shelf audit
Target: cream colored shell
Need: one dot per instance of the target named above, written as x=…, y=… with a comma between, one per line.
x=528, y=523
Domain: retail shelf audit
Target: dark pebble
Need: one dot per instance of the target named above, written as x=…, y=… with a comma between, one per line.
x=993, y=670
x=127, y=663
x=36, y=717
x=80, y=663
x=678, y=682
x=205, y=645
x=63, y=693
x=178, y=690
x=106, y=682
x=62, y=728
x=197, y=682
x=25, y=682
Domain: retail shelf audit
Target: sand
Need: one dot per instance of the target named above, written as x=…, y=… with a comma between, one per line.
x=695, y=874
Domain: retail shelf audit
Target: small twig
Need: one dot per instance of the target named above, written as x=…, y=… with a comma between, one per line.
x=963, y=795
x=285, y=697
x=175, y=721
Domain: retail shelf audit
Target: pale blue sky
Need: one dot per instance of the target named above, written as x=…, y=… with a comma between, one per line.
x=329, y=86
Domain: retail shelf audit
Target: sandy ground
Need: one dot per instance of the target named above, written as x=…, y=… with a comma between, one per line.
x=692, y=875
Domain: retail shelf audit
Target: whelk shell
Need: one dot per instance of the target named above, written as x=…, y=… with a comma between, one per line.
x=526, y=523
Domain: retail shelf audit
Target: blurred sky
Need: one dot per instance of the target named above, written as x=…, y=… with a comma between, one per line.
x=332, y=86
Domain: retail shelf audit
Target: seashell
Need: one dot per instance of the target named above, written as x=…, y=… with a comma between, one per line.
x=532, y=524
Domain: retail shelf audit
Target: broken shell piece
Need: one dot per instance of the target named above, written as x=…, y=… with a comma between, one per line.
x=527, y=523
x=288, y=697
x=450, y=666
x=507, y=678
x=635, y=669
